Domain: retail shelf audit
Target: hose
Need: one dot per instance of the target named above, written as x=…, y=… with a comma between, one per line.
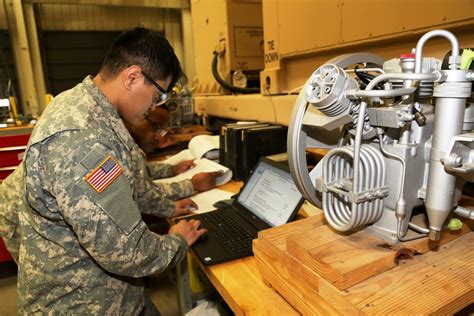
x=225, y=84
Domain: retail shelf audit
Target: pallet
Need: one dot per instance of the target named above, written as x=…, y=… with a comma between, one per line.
x=320, y=271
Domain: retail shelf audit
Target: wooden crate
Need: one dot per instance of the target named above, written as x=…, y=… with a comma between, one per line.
x=320, y=271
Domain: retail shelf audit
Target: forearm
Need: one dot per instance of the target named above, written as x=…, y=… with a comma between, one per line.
x=177, y=190
x=158, y=170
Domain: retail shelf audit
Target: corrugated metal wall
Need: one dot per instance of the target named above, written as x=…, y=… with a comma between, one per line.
x=67, y=17
x=64, y=17
x=62, y=27
x=69, y=56
x=7, y=66
x=75, y=38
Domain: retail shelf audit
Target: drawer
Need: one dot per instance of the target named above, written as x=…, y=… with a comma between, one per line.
x=14, y=140
x=11, y=156
x=6, y=171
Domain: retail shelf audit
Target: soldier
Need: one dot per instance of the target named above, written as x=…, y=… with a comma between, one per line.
x=148, y=135
x=11, y=189
x=11, y=200
x=84, y=247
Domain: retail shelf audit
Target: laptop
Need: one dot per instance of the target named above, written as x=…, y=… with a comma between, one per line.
x=269, y=198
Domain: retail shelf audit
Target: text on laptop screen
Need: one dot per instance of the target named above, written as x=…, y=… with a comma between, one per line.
x=271, y=194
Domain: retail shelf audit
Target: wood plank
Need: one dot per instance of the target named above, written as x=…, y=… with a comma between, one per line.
x=302, y=296
x=294, y=281
x=279, y=233
x=345, y=260
x=440, y=282
x=240, y=283
x=385, y=292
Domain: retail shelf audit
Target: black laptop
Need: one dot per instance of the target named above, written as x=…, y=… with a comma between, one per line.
x=269, y=198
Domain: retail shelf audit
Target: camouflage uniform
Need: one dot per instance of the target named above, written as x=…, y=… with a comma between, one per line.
x=174, y=191
x=82, y=251
x=11, y=200
x=159, y=170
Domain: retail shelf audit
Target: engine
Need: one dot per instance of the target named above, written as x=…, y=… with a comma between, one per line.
x=403, y=148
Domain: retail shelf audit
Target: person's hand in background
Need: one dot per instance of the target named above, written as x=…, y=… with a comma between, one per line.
x=183, y=166
x=164, y=137
x=204, y=181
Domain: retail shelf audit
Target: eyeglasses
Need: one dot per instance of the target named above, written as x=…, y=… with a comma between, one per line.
x=163, y=97
x=162, y=130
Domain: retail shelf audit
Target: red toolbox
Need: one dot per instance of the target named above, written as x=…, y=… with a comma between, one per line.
x=12, y=148
x=4, y=254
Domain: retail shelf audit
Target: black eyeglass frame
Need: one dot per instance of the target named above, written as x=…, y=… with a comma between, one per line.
x=164, y=95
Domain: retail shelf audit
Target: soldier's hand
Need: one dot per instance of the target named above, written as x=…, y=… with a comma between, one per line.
x=204, y=181
x=190, y=230
x=183, y=166
x=164, y=141
x=184, y=207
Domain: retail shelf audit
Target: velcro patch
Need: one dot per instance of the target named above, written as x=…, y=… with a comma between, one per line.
x=104, y=174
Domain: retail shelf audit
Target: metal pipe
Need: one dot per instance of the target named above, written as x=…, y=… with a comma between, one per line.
x=402, y=181
x=403, y=76
x=419, y=228
x=464, y=212
x=399, y=223
x=365, y=70
x=357, y=144
x=35, y=55
x=419, y=47
x=382, y=93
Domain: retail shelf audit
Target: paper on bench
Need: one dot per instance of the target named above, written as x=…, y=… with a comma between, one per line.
x=206, y=200
x=202, y=165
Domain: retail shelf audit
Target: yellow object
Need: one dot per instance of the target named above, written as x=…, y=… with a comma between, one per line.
x=48, y=98
x=13, y=107
x=454, y=224
x=466, y=58
x=198, y=282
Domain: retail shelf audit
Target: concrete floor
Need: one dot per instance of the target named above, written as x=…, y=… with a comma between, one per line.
x=162, y=291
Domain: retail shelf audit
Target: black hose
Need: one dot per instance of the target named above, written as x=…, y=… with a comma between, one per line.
x=226, y=85
x=367, y=78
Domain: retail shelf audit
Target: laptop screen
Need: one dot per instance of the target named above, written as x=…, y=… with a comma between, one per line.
x=271, y=194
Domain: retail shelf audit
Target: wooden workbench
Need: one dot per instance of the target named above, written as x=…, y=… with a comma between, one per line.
x=248, y=291
x=241, y=285
x=321, y=271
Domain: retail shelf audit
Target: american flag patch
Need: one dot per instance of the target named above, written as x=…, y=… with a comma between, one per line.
x=102, y=176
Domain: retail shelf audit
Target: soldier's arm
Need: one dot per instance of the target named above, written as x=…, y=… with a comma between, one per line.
x=158, y=198
x=176, y=190
x=173, y=191
x=159, y=170
x=107, y=221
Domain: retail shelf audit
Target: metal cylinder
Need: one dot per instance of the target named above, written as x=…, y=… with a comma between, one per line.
x=441, y=185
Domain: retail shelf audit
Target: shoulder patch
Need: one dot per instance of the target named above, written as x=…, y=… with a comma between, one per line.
x=104, y=174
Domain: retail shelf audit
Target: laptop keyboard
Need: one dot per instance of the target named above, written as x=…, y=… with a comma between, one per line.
x=230, y=229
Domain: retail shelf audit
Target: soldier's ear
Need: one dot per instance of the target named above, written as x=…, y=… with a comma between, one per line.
x=131, y=76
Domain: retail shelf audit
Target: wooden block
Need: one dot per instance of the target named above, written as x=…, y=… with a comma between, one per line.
x=440, y=281
x=345, y=260
x=279, y=234
x=341, y=260
x=277, y=267
x=305, y=299
x=290, y=265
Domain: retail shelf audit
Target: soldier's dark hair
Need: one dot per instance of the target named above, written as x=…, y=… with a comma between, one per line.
x=146, y=48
